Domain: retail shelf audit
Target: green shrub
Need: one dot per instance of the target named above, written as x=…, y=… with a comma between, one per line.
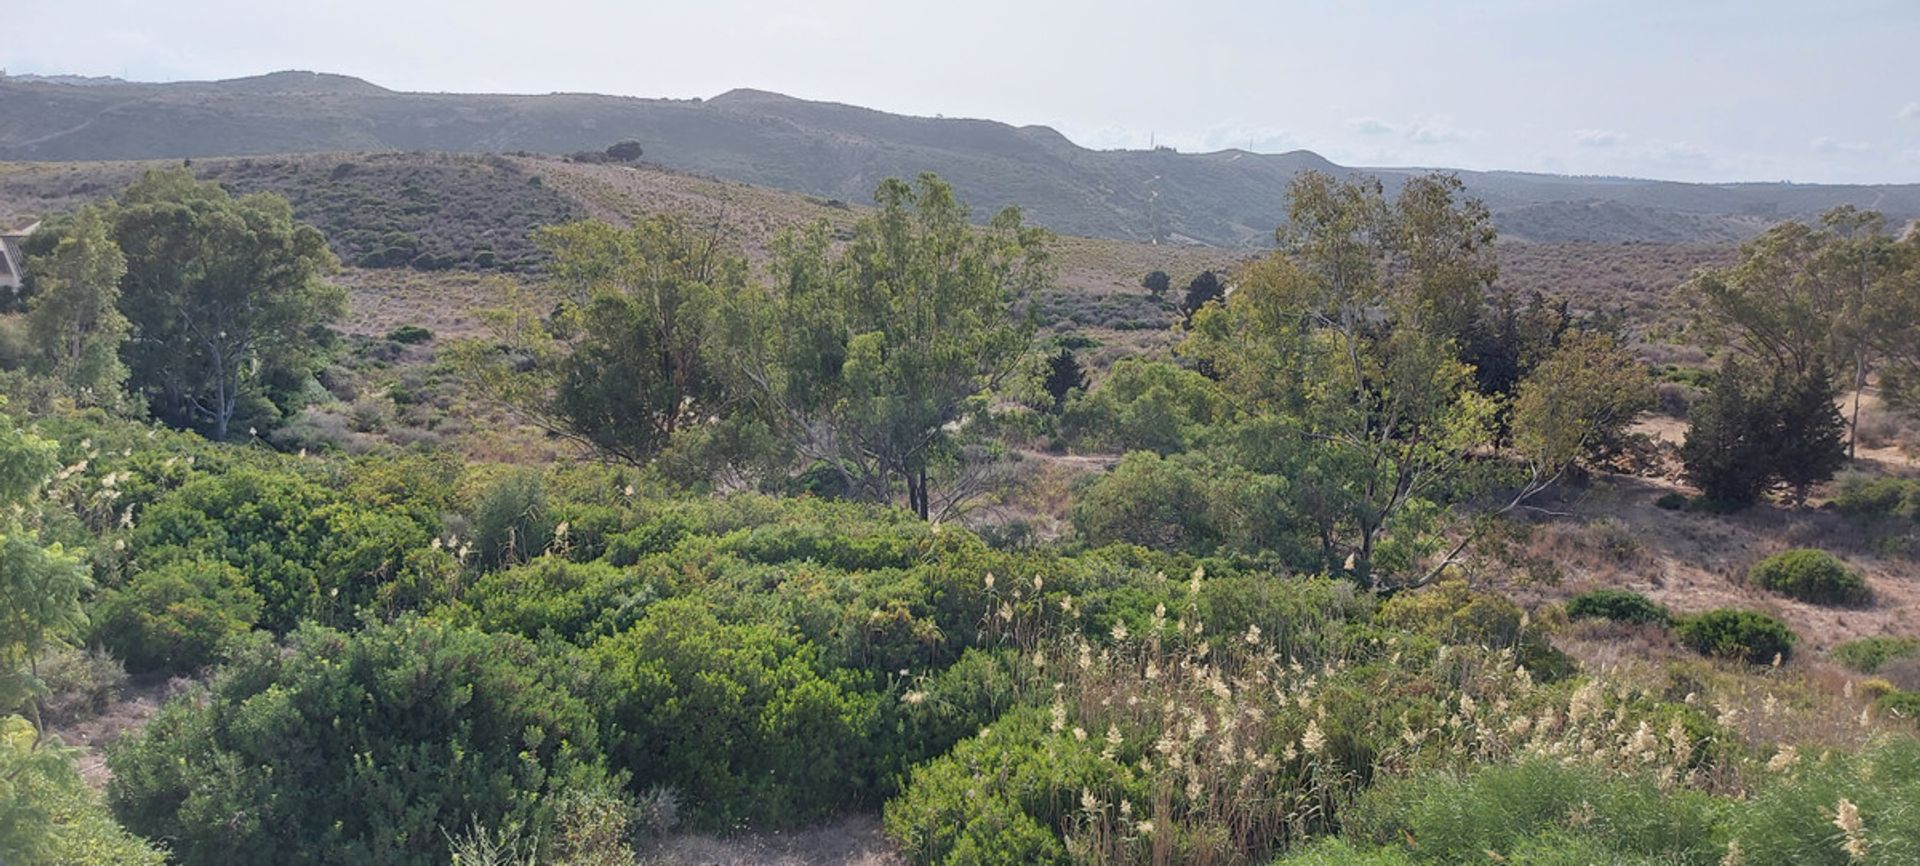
x=410, y=334
x=364, y=748
x=1536, y=811
x=511, y=520
x=1150, y=501
x=1453, y=613
x=1906, y=705
x=176, y=618
x=1337, y=851
x=998, y=796
x=1740, y=634
x=1813, y=576
x=1867, y=654
x=1144, y=405
x=1792, y=819
x=308, y=551
x=1867, y=496
x=744, y=719
x=1618, y=605
x=1672, y=501
x=551, y=595
x=47, y=813
x=953, y=705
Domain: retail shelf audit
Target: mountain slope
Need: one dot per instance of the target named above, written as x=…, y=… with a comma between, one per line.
x=1231, y=198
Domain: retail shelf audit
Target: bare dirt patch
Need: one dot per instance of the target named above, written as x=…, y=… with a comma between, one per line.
x=855, y=840
x=138, y=702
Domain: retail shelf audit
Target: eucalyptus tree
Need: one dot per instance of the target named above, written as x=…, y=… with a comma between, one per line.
x=872, y=358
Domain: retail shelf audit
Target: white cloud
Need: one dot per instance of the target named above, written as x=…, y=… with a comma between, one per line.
x=1370, y=126
x=1680, y=152
x=1910, y=111
x=1830, y=145
x=1434, y=133
x=1599, y=138
x=1418, y=131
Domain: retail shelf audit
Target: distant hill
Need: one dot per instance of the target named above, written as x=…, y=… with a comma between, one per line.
x=834, y=151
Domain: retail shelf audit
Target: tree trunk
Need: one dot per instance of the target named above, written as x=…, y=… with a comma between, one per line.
x=1859, y=386
x=917, y=497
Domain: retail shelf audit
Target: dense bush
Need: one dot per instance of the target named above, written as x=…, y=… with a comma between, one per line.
x=364, y=748
x=1150, y=501
x=1455, y=614
x=308, y=552
x=178, y=617
x=1809, y=575
x=1797, y=818
x=1618, y=605
x=1144, y=405
x=551, y=595
x=48, y=816
x=743, y=719
x=1867, y=496
x=999, y=798
x=1740, y=634
x=1536, y=811
x=1868, y=654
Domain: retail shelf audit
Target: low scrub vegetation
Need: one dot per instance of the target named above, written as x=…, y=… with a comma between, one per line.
x=1813, y=576
x=1746, y=635
x=1868, y=654
x=1618, y=605
x=1281, y=602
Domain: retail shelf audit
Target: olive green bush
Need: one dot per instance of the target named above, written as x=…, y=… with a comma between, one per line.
x=367, y=747
x=1868, y=654
x=176, y=618
x=744, y=719
x=1747, y=635
x=1617, y=605
x=1809, y=575
x=1518, y=812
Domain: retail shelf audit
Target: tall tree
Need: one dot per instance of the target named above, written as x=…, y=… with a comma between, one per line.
x=222, y=293
x=1808, y=439
x=618, y=364
x=1334, y=335
x=73, y=317
x=1064, y=376
x=1725, y=451
x=1203, y=289
x=1896, y=329
x=40, y=584
x=1344, y=349
x=1806, y=295
x=1756, y=431
x=872, y=359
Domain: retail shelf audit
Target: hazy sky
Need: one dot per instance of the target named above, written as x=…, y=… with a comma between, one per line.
x=1814, y=90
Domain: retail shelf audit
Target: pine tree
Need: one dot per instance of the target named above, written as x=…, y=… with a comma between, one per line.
x=1809, y=438
x=1064, y=375
x=1726, y=449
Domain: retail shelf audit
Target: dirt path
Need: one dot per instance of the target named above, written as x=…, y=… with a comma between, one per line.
x=855, y=840
x=139, y=701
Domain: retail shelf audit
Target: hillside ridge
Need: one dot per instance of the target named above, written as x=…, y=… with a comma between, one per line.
x=1230, y=198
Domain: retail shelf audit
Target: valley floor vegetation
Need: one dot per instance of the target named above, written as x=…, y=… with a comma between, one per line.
x=1274, y=631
